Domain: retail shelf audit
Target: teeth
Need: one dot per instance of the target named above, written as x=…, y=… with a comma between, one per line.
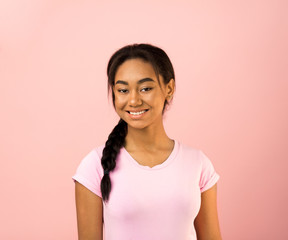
x=137, y=113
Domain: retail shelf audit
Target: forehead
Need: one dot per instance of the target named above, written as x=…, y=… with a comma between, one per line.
x=135, y=69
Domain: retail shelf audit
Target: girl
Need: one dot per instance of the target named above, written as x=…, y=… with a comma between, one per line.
x=143, y=185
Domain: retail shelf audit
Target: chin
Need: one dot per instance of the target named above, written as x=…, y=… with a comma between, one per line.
x=136, y=125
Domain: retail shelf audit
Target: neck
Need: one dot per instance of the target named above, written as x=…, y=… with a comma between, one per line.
x=151, y=138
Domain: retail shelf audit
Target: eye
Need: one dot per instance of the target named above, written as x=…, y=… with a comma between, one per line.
x=146, y=89
x=122, y=90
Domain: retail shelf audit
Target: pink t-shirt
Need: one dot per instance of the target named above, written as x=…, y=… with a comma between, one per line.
x=158, y=203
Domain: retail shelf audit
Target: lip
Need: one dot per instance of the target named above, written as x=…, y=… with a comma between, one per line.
x=137, y=116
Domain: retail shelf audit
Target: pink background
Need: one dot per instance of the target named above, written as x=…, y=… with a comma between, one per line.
x=230, y=59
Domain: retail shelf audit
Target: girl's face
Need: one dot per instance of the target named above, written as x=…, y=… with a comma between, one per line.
x=139, y=98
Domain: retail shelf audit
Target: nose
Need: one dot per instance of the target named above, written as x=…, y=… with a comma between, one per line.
x=135, y=99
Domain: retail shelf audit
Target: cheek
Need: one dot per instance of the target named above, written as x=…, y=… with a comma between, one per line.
x=119, y=101
x=157, y=98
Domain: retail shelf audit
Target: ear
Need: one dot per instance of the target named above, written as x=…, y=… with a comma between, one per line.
x=170, y=89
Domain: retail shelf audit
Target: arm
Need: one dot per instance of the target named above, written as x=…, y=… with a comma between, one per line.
x=206, y=223
x=89, y=214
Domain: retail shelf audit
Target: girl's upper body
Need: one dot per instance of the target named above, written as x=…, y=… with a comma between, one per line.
x=142, y=184
x=159, y=202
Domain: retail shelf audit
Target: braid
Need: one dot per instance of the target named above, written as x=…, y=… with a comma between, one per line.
x=112, y=147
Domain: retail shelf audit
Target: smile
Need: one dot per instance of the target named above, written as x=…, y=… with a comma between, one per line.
x=137, y=113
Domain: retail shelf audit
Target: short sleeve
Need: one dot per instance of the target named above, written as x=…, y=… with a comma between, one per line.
x=89, y=172
x=208, y=177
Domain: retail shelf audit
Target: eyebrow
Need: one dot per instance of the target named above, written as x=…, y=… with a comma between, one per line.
x=139, y=82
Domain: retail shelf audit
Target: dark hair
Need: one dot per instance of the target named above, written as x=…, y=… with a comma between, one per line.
x=162, y=66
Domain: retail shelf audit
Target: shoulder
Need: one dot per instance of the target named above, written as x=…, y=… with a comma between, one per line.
x=201, y=165
x=187, y=148
x=188, y=151
x=90, y=172
x=91, y=161
x=98, y=150
x=94, y=153
x=195, y=156
x=191, y=151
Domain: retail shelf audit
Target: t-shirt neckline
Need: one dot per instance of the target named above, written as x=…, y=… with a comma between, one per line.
x=158, y=166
